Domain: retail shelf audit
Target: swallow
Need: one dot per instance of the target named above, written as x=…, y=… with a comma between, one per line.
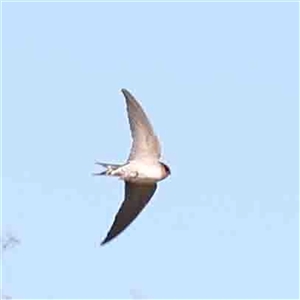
x=142, y=170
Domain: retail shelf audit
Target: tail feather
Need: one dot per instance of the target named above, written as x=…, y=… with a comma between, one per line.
x=109, y=168
x=106, y=165
x=101, y=173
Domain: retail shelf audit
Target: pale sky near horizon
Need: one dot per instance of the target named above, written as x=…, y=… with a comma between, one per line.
x=220, y=83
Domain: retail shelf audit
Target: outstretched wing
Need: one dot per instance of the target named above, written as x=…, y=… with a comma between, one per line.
x=145, y=144
x=136, y=198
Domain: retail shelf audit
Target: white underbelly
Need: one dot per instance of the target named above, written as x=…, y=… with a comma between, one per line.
x=146, y=172
x=151, y=172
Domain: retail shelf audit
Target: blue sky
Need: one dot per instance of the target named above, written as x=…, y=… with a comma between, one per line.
x=219, y=82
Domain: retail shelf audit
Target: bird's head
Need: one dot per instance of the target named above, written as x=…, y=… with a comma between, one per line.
x=166, y=169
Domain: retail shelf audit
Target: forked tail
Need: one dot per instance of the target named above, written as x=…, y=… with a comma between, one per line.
x=109, y=168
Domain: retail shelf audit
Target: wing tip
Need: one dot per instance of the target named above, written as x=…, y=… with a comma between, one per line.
x=125, y=92
x=106, y=240
x=128, y=96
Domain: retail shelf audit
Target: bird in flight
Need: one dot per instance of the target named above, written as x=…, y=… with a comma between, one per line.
x=142, y=170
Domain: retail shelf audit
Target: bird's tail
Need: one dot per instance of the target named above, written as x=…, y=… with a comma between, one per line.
x=109, y=168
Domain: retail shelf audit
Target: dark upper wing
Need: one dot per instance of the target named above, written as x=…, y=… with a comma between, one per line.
x=136, y=198
x=145, y=144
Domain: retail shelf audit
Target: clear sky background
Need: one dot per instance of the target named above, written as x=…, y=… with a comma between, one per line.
x=219, y=82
